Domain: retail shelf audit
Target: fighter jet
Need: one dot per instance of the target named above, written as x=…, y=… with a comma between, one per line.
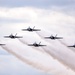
x=2, y=44
x=13, y=36
x=72, y=46
x=31, y=29
x=36, y=45
x=53, y=37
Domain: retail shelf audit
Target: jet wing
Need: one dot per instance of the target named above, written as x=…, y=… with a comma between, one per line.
x=42, y=45
x=24, y=30
x=6, y=36
x=71, y=46
x=30, y=45
x=58, y=38
x=2, y=44
x=18, y=37
x=36, y=30
x=46, y=37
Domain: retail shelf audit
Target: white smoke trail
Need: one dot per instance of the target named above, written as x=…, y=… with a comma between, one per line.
x=72, y=49
x=42, y=35
x=25, y=60
x=66, y=45
x=66, y=59
x=51, y=67
x=25, y=42
x=62, y=42
x=57, y=53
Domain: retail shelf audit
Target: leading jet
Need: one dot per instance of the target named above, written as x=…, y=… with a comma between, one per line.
x=53, y=37
x=36, y=45
x=72, y=46
x=31, y=29
x=13, y=36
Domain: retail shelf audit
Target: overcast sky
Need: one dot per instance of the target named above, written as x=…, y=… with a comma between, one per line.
x=54, y=15
x=38, y=3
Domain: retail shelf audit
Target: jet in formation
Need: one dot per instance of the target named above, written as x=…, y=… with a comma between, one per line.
x=13, y=36
x=36, y=45
x=72, y=46
x=53, y=37
x=31, y=29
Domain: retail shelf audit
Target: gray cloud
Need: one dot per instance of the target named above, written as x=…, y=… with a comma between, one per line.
x=6, y=20
x=66, y=6
x=38, y=3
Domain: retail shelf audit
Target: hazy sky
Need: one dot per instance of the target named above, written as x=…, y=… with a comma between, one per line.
x=38, y=3
x=17, y=14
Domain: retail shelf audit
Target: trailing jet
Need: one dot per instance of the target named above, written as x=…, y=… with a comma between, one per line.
x=53, y=37
x=36, y=45
x=2, y=44
x=31, y=29
x=72, y=46
x=13, y=37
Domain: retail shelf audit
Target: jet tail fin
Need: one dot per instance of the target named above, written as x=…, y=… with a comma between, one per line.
x=39, y=43
x=33, y=27
x=55, y=35
x=15, y=34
